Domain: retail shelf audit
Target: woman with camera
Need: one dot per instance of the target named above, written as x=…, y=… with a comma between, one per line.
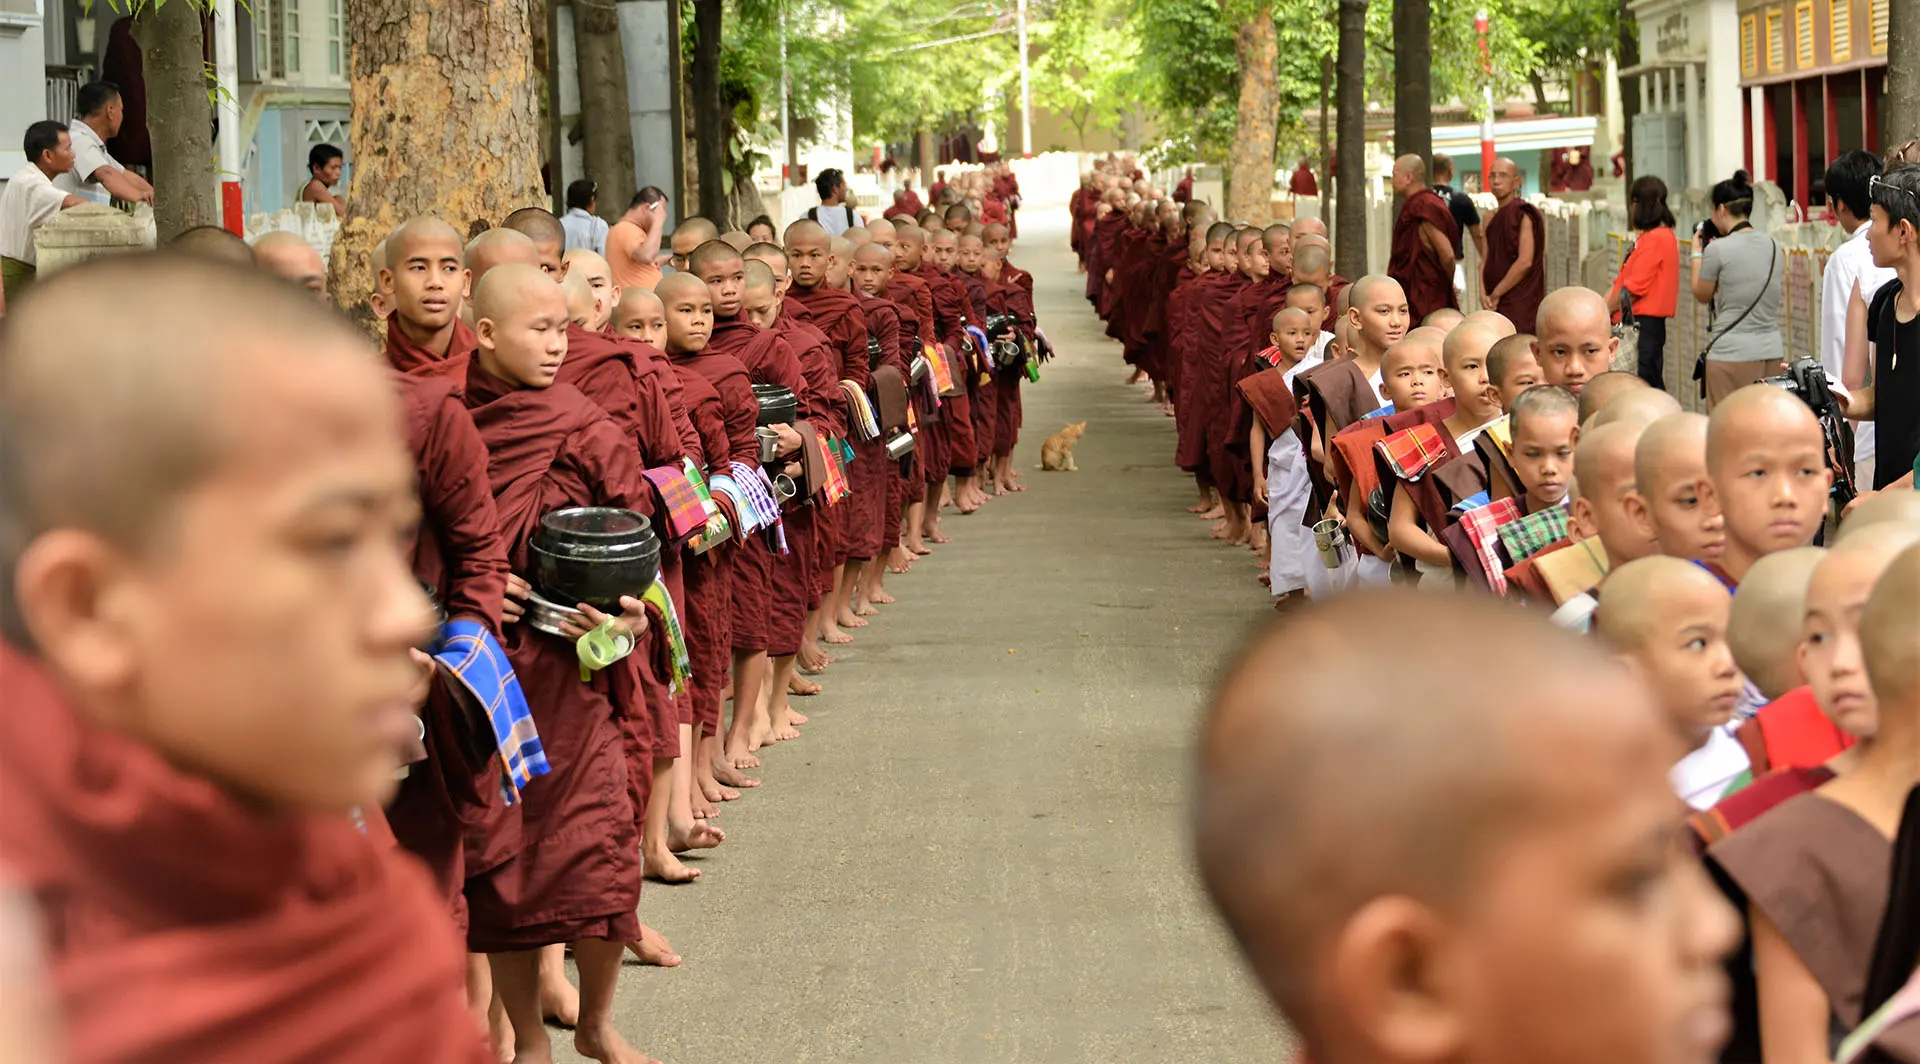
x=1739, y=270
x=1647, y=292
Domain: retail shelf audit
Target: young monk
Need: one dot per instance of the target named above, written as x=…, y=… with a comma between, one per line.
x=549, y=237
x=1667, y=502
x=1201, y=317
x=166, y=750
x=577, y=876
x=1512, y=367
x=1667, y=619
x=1766, y=473
x=1576, y=339
x=1283, y=483
x=289, y=256
x=1634, y=406
x=1606, y=387
x=1411, y=384
x=1375, y=950
x=1457, y=471
x=1546, y=427
x=893, y=328
x=426, y=273
x=1815, y=868
x=1789, y=731
x=494, y=247
x=688, y=235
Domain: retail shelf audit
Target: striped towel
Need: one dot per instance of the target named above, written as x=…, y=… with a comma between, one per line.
x=472, y=657
x=662, y=600
x=1482, y=526
x=860, y=416
x=686, y=509
x=834, y=486
x=1526, y=536
x=1411, y=452
x=942, y=377
x=759, y=510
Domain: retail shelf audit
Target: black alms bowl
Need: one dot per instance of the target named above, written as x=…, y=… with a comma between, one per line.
x=593, y=554
x=778, y=406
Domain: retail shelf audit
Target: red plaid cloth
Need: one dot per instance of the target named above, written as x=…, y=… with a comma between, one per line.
x=1411, y=452
x=1482, y=524
x=686, y=511
x=836, y=486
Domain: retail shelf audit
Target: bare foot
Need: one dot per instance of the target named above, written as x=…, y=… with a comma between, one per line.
x=838, y=637
x=881, y=598
x=739, y=757
x=936, y=537
x=1219, y=530
x=666, y=868
x=920, y=549
x=761, y=735
x=1213, y=513
x=606, y=1046
x=559, y=999
x=1137, y=376
x=796, y=717
x=703, y=807
x=802, y=686
x=786, y=733
x=901, y=559
x=728, y=775
x=1200, y=507
x=653, y=948
x=500, y=1032
x=712, y=791
x=695, y=836
x=866, y=609
x=849, y=619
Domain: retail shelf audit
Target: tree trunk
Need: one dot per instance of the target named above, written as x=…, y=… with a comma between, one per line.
x=1250, y=176
x=446, y=121
x=1326, y=141
x=603, y=105
x=186, y=184
x=1629, y=53
x=710, y=118
x=1351, y=102
x=1412, y=78
x=1900, y=111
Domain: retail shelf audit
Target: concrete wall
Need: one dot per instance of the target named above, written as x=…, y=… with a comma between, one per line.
x=23, y=94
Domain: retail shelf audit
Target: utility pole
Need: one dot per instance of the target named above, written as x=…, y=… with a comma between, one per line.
x=1026, y=95
x=226, y=109
x=1480, y=25
x=786, y=92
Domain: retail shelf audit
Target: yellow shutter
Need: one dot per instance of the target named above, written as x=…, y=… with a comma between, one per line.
x=1840, y=29
x=1749, y=45
x=1803, y=34
x=1776, y=42
x=1880, y=8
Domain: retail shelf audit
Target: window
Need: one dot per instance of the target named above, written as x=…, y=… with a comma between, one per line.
x=1803, y=35
x=1749, y=46
x=336, y=59
x=1840, y=29
x=1776, y=42
x=1880, y=27
x=290, y=31
x=263, y=63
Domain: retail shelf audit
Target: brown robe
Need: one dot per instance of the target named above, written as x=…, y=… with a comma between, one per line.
x=1415, y=265
x=1521, y=305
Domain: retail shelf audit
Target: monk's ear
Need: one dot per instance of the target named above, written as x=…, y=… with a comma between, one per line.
x=385, y=279
x=1634, y=505
x=81, y=603
x=1397, y=973
x=1581, y=519
x=485, y=331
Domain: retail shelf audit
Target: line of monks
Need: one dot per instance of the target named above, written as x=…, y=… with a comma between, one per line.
x=791, y=419
x=1761, y=696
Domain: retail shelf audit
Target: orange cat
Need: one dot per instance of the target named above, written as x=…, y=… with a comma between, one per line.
x=1057, y=452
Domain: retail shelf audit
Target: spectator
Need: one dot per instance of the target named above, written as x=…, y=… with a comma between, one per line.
x=633, y=242
x=1650, y=277
x=1459, y=204
x=585, y=228
x=1893, y=400
x=1739, y=270
x=762, y=231
x=835, y=213
x=97, y=175
x=1847, y=287
x=30, y=199
x=324, y=163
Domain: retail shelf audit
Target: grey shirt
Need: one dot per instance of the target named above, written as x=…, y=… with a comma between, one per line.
x=1739, y=263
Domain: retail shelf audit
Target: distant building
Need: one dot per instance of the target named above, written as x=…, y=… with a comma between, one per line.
x=1814, y=74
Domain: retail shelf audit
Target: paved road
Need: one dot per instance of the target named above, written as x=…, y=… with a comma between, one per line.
x=976, y=852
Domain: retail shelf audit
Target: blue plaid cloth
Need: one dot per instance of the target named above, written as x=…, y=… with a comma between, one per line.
x=756, y=498
x=476, y=660
x=1378, y=411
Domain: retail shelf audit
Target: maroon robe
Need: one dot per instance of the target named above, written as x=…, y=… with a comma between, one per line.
x=768, y=361
x=1205, y=375
x=1413, y=263
x=1521, y=305
x=412, y=359
x=796, y=575
x=953, y=445
x=1240, y=337
x=1010, y=299
x=1178, y=302
x=457, y=553
x=183, y=924
x=982, y=384
x=577, y=874
x=704, y=612
x=710, y=589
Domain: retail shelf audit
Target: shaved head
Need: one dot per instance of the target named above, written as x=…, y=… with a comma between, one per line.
x=510, y=286
x=856, y=236
x=1289, y=844
x=1764, y=628
x=499, y=247
x=579, y=295
x=1676, y=436
x=873, y=253
x=1602, y=389
x=1412, y=166
x=806, y=231
x=759, y=276
x=1306, y=227
x=1893, y=506
x=1310, y=259
x=540, y=226
x=1445, y=319
x=1757, y=411
x=693, y=232
x=212, y=242
x=679, y=285
x=634, y=299
x=711, y=254
x=415, y=231
x=1636, y=597
x=289, y=256
x=1500, y=323
x=1362, y=292
x=1890, y=644
x=1635, y=406
x=1466, y=340
x=912, y=235
x=1603, y=478
x=736, y=239
x=841, y=247
x=588, y=259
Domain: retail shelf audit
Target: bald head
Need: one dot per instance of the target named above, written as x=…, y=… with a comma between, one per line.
x=580, y=301
x=1312, y=262
x=1602, y=389
x=1764, y=629
x=841, y=248
x=1635, y=406
x=1467, y=341
x=499, y=247
x=1372, y=286
x=1411, y=167
x=289, y=256
x=856, y=236
x=759, y=276
x=214, y=243
x=105, y=429
x=1677, y=438
x=1306, y=227
x=691, y=233
x=805, y=231
x=1638, y=596
x=636, y=300
x=540, y=226
x=509, y=287
x=875, y=254
x=1890, y=644
x=679, y=286
x=1755, y=413
x=1892, y=506
x=1443, y=319
x=1286, y=834
x=712, y=254
x=1603, y=475
x=1493, y=319
x=737, y=239
x=912, y=235
x=425, y=230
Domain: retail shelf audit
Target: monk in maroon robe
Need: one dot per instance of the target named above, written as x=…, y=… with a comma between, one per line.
x=576, y=879
x=1219, y=364
x=1514, y=277
x=425, y=273
x=184, y=818
x=1423, y=238
x=953, y=448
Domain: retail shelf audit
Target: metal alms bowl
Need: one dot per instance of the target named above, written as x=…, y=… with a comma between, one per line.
x=550, y=617
x=593, y=554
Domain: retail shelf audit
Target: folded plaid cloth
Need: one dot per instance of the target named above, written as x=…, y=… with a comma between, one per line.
x=860, y=416
x=1411, y=452
x=1271, y=356
x=942, y=376
x=835, y=486
x=661, y=599
x=1482, y=526
x=1527, y=536
x=758, y=509
x=477, y=662
x=1473, y=502
x=686, y=510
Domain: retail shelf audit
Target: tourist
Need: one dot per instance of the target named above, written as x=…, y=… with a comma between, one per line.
x=1740, y=272
x=585, y=228
x=1649, y=279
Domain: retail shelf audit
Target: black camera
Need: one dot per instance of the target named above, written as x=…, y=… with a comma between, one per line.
x=1707, y=232
x=1805, y=379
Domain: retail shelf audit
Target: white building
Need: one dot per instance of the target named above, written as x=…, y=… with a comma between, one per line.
x=1689, y=131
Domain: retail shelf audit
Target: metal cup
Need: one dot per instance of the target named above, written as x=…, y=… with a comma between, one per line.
x=900, y=445
x=784, y=488
x=769, y=444
x=1330, y=539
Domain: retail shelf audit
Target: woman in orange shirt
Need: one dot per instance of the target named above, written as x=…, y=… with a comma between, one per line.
x=1651, y=275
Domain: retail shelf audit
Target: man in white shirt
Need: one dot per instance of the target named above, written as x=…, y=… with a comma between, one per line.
x=834, y=214
x=1850, y=265
x=96, y=174
x=30, y=199
x=585, y=229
